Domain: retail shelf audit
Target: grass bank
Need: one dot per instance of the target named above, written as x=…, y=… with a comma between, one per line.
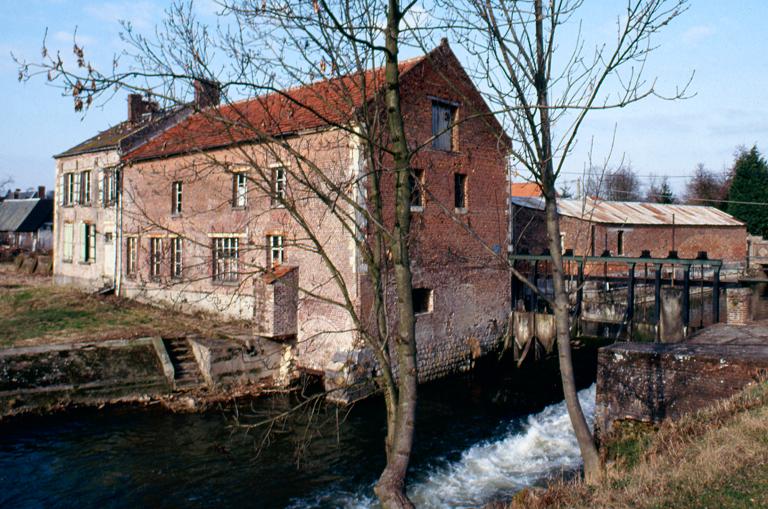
x=717, y=457
x=33, y=311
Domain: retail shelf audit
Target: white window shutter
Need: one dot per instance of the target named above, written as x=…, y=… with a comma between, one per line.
x=77, y=180
x=60, y=189
x=100, y=177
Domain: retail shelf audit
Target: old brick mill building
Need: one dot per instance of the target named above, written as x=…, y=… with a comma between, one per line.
x=596, y=227
x=202, y=228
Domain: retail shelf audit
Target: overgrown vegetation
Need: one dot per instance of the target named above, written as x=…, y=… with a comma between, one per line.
x=715, y=458
x=35, y=312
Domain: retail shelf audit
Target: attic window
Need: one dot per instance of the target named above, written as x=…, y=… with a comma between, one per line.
x=422, y=300
x=443, y=125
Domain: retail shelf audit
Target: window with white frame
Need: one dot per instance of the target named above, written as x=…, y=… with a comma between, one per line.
x=155, y=257
x=69, y=189
x=85, y=187
x=69, y=242
x=240, y=188
x=177, y=258
x=88, y=252
x=131, y=250
x=109, y=189
x=276, y=250
x=176, y=197
x=225, y=258
x=279, y=181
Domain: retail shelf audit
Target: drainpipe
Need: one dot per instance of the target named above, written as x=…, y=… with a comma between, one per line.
x=119, y=233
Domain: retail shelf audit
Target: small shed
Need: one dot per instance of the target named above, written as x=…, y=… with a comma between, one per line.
x=27, y=224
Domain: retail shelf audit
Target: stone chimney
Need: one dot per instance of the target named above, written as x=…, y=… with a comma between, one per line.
x=135, y=108
x=138, y=106
x=41, y=192
x=207, y=93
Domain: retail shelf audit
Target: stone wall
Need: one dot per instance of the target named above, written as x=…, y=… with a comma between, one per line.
x=42, y=377
x=227, y=363
x=651, y=382
x=739, y=306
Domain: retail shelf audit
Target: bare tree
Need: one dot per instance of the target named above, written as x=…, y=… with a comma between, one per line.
x=618, y=184
x=278, y=51
x=707, y=187
x=546, y=88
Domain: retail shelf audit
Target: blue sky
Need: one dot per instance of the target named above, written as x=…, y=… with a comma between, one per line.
x=723, y=42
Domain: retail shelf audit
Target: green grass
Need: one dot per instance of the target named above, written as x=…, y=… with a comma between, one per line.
x=30, y=315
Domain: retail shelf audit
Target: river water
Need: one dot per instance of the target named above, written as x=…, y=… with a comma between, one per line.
x=479, y=436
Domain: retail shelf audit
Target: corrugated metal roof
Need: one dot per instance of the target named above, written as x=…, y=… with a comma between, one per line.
x=25, y=215
x=621, y=212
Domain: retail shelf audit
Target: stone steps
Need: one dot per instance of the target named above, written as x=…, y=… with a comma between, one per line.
x=186, y=372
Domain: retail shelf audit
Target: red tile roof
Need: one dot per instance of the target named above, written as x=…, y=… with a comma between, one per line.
x=526, y=189
x=326, y=102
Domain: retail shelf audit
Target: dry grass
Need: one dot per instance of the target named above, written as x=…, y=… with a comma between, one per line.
x=33, y=311
x=715, y=458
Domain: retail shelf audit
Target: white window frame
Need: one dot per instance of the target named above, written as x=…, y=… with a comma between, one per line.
x=177, y=196
x=177, y=258
x=155, y=257
x=132, y=255
x=69, y=188
x=226, y=255
x=240, y=198
x=279, y=185
x=109, y=191
x=88, y=246
x=85, y=187
x=276, y=245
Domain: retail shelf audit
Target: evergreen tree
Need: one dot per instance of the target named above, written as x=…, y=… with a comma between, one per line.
x=660, y=192
x=748, y=197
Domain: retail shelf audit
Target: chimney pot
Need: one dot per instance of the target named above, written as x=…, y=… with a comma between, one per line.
x=16, y=193
x=41, y=192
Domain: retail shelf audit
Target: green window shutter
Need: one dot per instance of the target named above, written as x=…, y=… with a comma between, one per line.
x=84, y=243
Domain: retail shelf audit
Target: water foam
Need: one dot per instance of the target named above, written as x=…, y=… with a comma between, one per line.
x=528, y=452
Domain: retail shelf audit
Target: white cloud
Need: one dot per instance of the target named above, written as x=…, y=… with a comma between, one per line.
x=696, y=34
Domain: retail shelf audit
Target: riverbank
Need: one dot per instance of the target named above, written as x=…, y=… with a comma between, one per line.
x=713, y=458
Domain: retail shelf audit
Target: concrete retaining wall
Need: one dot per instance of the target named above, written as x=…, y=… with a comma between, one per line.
x=44, y=377
x=652, y=382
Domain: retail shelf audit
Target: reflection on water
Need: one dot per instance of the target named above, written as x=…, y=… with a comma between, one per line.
x=477, y=435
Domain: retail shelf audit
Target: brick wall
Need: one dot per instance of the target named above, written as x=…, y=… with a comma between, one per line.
x=454, y=253
x=727, y=243
x=652, y=382
x=738, y=306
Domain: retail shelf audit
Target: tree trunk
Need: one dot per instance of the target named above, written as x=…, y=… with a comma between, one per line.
x=562, y=322
x=391, y=485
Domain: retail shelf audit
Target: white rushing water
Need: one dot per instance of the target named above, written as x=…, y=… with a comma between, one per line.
x=527, y=453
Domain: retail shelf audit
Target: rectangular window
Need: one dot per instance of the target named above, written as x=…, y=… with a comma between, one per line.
x=85, y=187
x=593, y=240
x=131, y=249
x=240, y=198
x=443, y=119
x=620, y=243
x=176, y=195
x=415, y=184
x=88, y=253
x=69, y=189
x=459, y=191
x=155, y=257
x=276, y=250
x=279, y=180
x=177, y=260
x=109, y=189
x=422, y=300
x=69, y=242
x=225, y=258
